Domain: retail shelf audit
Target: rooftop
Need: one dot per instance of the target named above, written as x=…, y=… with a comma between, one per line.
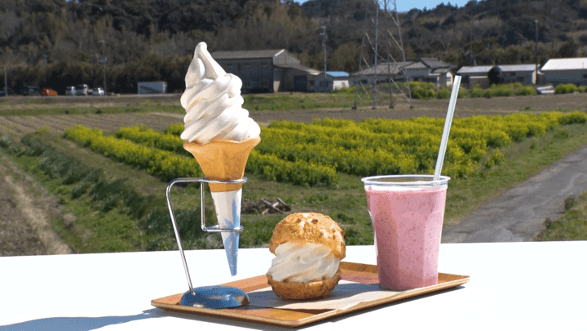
x=298, y=67
x=565, y=64
x=474, y=70
x=262, y=54
x=516, y=67
x=434, y=63
x=337, y=73
x=384, y=68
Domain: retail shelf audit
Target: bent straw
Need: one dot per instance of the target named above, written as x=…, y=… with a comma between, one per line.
x=449, y=114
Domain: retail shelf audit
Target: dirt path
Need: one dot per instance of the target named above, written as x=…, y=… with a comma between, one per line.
x=16, y=236
x=519, y=214
x=24, y=216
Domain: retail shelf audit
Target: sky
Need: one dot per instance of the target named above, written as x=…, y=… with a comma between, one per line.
x=419, y=4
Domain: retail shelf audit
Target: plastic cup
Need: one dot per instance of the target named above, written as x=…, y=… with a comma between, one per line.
x=407, y=212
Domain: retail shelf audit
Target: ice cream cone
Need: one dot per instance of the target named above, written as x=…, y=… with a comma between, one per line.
x=225, y=160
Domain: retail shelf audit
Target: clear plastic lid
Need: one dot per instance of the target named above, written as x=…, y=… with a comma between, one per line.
x=405, y=180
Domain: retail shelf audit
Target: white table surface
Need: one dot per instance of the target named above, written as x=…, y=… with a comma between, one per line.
x=523, y=286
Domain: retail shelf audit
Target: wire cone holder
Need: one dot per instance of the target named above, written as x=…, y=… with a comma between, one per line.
x=207, y=296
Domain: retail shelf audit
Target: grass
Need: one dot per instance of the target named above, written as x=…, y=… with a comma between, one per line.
x=60, y=110
x=572, y=225
x=522, y=161
x=97, y=229
x=339, y=99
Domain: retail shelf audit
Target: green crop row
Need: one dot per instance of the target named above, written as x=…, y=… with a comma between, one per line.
x=569, y=88
x=162, y=164
x=311, y=154
x=149, y=137
x=429, y=91
x=136, y=212
x=175, y=129
x=160, y=155
x=391, y=146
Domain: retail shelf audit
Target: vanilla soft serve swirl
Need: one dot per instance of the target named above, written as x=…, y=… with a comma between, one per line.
x=213, y=103
x=303, y=263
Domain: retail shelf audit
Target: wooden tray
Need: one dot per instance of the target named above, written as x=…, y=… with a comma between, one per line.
x=354, y=272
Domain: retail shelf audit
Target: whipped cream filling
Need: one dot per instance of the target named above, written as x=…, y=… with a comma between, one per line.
x=213, y=103
x=303, y=263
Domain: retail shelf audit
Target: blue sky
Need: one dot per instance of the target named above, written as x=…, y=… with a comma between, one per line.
x=419, y=4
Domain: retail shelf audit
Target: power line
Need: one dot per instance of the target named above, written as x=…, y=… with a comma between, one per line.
x=103, y=59
x=392, y=42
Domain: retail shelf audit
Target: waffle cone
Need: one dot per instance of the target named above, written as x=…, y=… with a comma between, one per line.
x=223, y=160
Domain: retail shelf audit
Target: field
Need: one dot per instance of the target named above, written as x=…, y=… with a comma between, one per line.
x=87, y=212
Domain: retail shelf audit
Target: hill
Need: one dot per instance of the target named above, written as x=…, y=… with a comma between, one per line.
x=57, y=42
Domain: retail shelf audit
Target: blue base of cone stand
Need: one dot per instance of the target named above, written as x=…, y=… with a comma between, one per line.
x=216, y=297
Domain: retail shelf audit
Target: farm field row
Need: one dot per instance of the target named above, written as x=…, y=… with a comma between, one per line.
x=312, y=154
x=522, y=159
x=299, y=104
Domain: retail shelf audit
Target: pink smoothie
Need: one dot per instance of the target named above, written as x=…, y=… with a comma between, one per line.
x=408, y=226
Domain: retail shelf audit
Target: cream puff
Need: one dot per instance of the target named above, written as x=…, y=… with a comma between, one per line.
x=308, y=249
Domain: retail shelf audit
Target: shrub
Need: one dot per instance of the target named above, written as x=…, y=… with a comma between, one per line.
x=422, y=93
x=565, y=88
x=443, y=94
x=496, y=158
x=174, y=129
x=477, y=92
x=527, y=90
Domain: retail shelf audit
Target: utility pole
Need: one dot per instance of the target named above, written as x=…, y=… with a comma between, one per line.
x=536, y=42
x=5, y=80
x=104, y=59
x=323, y=34
x=375, y=60
x=471, y=44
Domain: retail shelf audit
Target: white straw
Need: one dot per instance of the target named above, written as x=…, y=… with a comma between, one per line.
x=449, y=114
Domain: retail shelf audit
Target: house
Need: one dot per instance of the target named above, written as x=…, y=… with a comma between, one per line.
x=484, y=76
x=422, y=69
x=340, y=79
x=430, y=70
x=513, y=73
x=270, y=71
x=384, y=72
x=473, y=75
x=564, y=71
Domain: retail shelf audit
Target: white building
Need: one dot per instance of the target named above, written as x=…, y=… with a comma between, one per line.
x=497, y=74
x=340, y=79
x=423, y=69
x=473, y=75
x=564, y=71
x=515, y=73
x=271, y=71
x=430, y=70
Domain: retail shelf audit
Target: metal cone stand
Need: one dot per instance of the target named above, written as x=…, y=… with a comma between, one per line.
x=207, y=296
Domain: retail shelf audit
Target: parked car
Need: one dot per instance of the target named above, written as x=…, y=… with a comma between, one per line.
x=31, y=90
x=81, y=89
x=98, y=91
x=47, y=92
x=70, y=90
x=3, y=92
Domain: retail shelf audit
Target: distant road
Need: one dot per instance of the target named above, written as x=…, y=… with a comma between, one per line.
x=33, y=102
x=519, y=214
x=465, y=107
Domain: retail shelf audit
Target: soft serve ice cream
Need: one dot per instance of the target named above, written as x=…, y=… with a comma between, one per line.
x=213, y=103
x=220, y=135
